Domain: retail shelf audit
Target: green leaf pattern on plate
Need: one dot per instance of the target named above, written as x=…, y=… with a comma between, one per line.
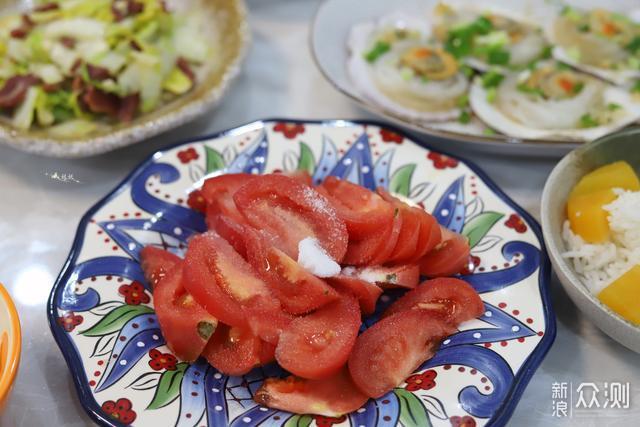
x=116, y=319
x=401, y=180
x=477, y=227
x=412, y=411
x=168, y=387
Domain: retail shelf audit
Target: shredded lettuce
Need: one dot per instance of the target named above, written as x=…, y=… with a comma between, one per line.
x=73, y=128
x=44, y=114
x=48, y=73
x=177, y=82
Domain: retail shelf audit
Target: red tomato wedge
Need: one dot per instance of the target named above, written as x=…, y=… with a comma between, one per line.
x=290, y=211
x=233, y=350
x=363, y=211
x=228, y=287
x=267, y=353
x=430, y=236
x=185, y=325
x=230, y=230
x=401, y=276
x=331, y=397
x=366, y=292
x=298, y=290
x=376, y=248
x=407, y=243
x=448, y=258
x=302, y=176
x=156, y=263
x=318, y=344
x=454, y=299
x=218, y=192
x=390, y=350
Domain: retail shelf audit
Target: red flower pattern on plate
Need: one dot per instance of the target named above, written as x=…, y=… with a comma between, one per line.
x=188, y=155
x=472, y=264
x=160, y=361
x=516, y=223
x=390, y=136
x=322, y=421
x=289, y=130
x=70, y=320
x=466, y=421
x=423, y=381
x=134, y=294
x=196, y=201
x=120, y=410
x=441, y=161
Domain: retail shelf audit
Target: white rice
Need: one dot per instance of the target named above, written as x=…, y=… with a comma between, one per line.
x=600, y=264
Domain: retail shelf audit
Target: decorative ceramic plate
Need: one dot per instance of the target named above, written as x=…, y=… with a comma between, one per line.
x=101, y=308
x=230, y=37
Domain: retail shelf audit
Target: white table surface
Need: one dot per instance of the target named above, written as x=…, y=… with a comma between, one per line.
x=38, y=219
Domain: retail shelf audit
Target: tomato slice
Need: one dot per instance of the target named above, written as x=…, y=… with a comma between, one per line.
x=233, y=350
x=267, y=353
x=230, y=230
x=407, y=243
x=430, y=236
x=448, y=258
x=363, y=211
x=390, y=350
x=228, y=287
x=218, y=192
x=290, y=211
x=366, y=292
x=376, y=248
x=401, y=276
x=318, y=344
x=185, y=325
x=156, y=263
x=299, y=175
x=331, y=397
x=454, y=299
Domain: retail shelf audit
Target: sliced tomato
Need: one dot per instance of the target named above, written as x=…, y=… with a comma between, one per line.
x=390, y=350
x=228, y=287
x=430, y=236
x=156, y=263
x=230, y=230
x=448, y=258
x=376, y=248
x=233, y=350
x=300, y=175
x=185, y=325
x=366, y=292
x=331, y=397
x=267, y=353
x=407, y=243
x=298, y=290
x=403, y=276
x=318, y=344
x=453, y=298
x=363, y=211
x=290, y=211
x=218, y=192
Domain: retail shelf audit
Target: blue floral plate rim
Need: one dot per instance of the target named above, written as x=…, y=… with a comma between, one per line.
x=521, y=379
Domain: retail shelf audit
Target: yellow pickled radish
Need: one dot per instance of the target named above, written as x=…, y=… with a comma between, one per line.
x=614, y=175
x=623, y=295
x=587, y=217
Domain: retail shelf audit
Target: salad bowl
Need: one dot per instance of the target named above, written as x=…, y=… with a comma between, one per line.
x=229, y=25
x=101, y=308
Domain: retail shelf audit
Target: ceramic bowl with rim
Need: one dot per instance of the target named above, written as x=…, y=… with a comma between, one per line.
x=329, y=36
x=10, y=345
x=624, y=145
x=234, y=34
x=109, y=339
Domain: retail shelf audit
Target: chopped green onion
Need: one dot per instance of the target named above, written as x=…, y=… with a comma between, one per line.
x=498, y=57
x=522, y=87
x=463, y=101
x=546, y=52
x=577, y=88
x=491, y=79
x=562, y=66
x=488, y=132
x=379, y=49
x=406, y=73
x=492, y=94
x=460, y=40
x=466, y=70
x=465, y=117
x=636, y=87
x=587, y=121
x=585, y=28
x=634, y=45
x=613, y=106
